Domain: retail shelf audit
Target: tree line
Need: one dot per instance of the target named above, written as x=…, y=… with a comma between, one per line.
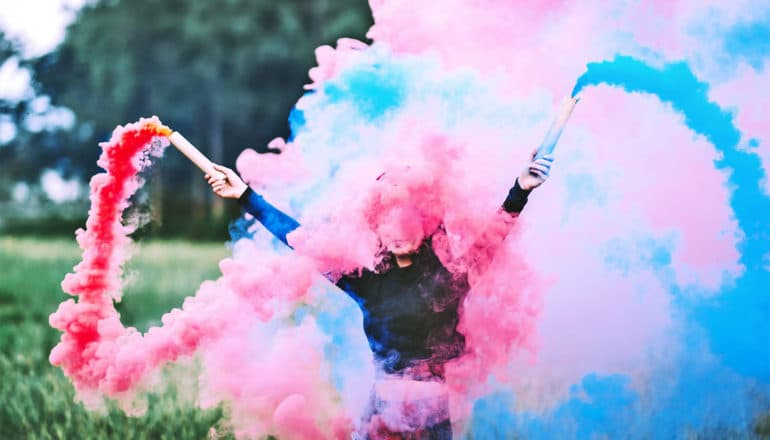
x=224, y=73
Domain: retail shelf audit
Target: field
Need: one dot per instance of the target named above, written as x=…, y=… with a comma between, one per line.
x=37, y=401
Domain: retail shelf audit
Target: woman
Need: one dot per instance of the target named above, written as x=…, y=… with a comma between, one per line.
x=410, y=306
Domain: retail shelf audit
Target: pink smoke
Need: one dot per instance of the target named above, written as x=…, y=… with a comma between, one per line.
x=102, y=357
x=545, y=308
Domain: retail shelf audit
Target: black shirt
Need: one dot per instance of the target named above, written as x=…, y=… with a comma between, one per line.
x=411, y=313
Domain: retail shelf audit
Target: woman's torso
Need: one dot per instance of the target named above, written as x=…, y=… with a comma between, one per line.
x=411, y=315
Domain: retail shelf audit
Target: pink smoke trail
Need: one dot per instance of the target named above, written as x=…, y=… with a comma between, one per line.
x=286, y=395
x=96, y=281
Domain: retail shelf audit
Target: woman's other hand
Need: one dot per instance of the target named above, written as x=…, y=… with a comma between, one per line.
x=231, y=187
x=536, y=172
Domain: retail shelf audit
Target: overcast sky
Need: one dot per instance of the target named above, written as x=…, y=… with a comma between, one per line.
x=38, y=24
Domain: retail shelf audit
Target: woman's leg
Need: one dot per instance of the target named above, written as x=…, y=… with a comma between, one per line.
x=423, y=419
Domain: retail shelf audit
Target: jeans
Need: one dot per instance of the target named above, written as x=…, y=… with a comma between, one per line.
x=423, y=419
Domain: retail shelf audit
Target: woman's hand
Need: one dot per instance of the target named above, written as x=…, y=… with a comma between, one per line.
x=231, y=187
x=536, y=172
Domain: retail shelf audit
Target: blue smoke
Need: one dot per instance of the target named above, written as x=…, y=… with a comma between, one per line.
x=750, y=42
x=736, y=321
x=296, y=121
x=601, y=406
x=720, y=381
x=373, y=90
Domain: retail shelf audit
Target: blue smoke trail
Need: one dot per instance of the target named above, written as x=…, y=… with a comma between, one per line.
x=736, y=322
x=704, y=396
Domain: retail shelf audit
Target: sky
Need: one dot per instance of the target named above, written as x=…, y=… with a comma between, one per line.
x=39, y=25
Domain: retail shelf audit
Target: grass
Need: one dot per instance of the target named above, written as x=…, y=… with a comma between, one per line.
x=37, y=401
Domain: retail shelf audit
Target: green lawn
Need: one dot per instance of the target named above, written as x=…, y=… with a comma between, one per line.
x=37, y=401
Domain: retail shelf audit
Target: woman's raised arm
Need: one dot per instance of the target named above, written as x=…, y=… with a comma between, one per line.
x=476, y=259
x=273, y=219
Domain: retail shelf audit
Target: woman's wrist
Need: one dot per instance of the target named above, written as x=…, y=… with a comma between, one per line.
x=242, y=189
x=243, y=194
x=525, y=183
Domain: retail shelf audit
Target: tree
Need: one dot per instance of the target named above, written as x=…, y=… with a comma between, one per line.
x=19, y=160
x=224, y=73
